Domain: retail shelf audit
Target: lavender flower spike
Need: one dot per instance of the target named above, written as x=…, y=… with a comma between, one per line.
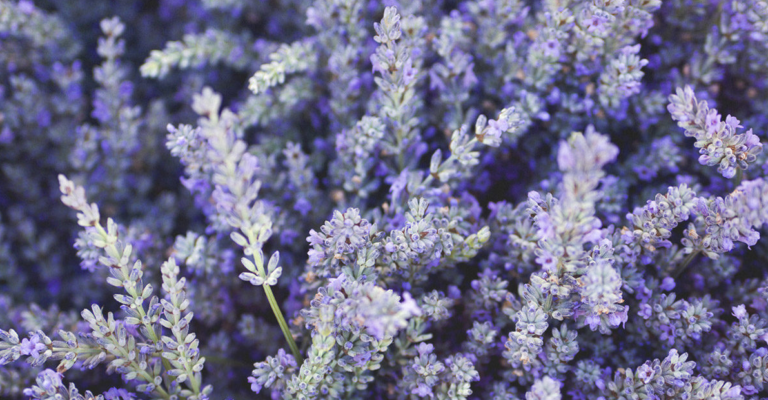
x=717, y=140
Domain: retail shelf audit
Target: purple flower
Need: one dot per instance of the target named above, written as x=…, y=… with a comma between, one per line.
x=733, y=122
x=255, y=385
x=32, y=346
x=645, y=311
x=547, y=261
x=551, y=48
x=645, y=373
x=409, y=305
x=118, y=394
x=592, y=320
x=454, y=292
x=362, y=359
x=49, y=380
x=425, y=348
x=600, y=384
x=713, y=121
x=667, y=284
x=740, y=311
x=399, y=185
x=422, y=390
x=598, y=23
x=619, y=317
x=409, y=72
x=546, y=227
x=303, y=206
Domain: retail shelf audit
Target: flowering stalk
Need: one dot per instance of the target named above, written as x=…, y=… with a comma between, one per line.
x=225, y=163
x=397, y=62
x=133, y=357
x=720, y=145
x=259, y=277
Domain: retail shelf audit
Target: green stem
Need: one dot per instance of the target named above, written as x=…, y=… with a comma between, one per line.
x=283, y=325
x=101, y=230
x=739, y=177
x=680, y=268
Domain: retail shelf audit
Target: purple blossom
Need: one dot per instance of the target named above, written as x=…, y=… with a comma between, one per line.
x=551, y=48
x=303, y=206
x=333, y=142
x=645, y=373
x=645, y=311
x=598, y=23
x=547, y=260
x=425, y=348
x=667, y=284
x=399, y=185
x=118, y=394
x=740, y=311
x=32, y=346
x=422, y=390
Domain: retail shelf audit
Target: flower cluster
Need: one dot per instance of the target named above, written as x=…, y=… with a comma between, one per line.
x=472, y=199
x=720, y=145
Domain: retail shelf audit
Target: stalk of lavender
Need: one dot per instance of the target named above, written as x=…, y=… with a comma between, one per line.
x=396, y=60
x=717, y=140
x=573, y=282
x=138, y=357
x=220, y=159
x=123, y=275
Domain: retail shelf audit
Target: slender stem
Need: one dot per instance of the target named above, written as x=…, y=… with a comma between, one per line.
x=101, y=230
x=680, y=268
x=400, y=151
x=739, y=177
x=459, y=110
x=258, y=261
x=283, y=325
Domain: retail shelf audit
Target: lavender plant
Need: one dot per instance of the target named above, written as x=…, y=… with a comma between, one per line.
x=498, y=199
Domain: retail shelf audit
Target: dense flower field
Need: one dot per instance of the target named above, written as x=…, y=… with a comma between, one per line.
x=347, y=199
